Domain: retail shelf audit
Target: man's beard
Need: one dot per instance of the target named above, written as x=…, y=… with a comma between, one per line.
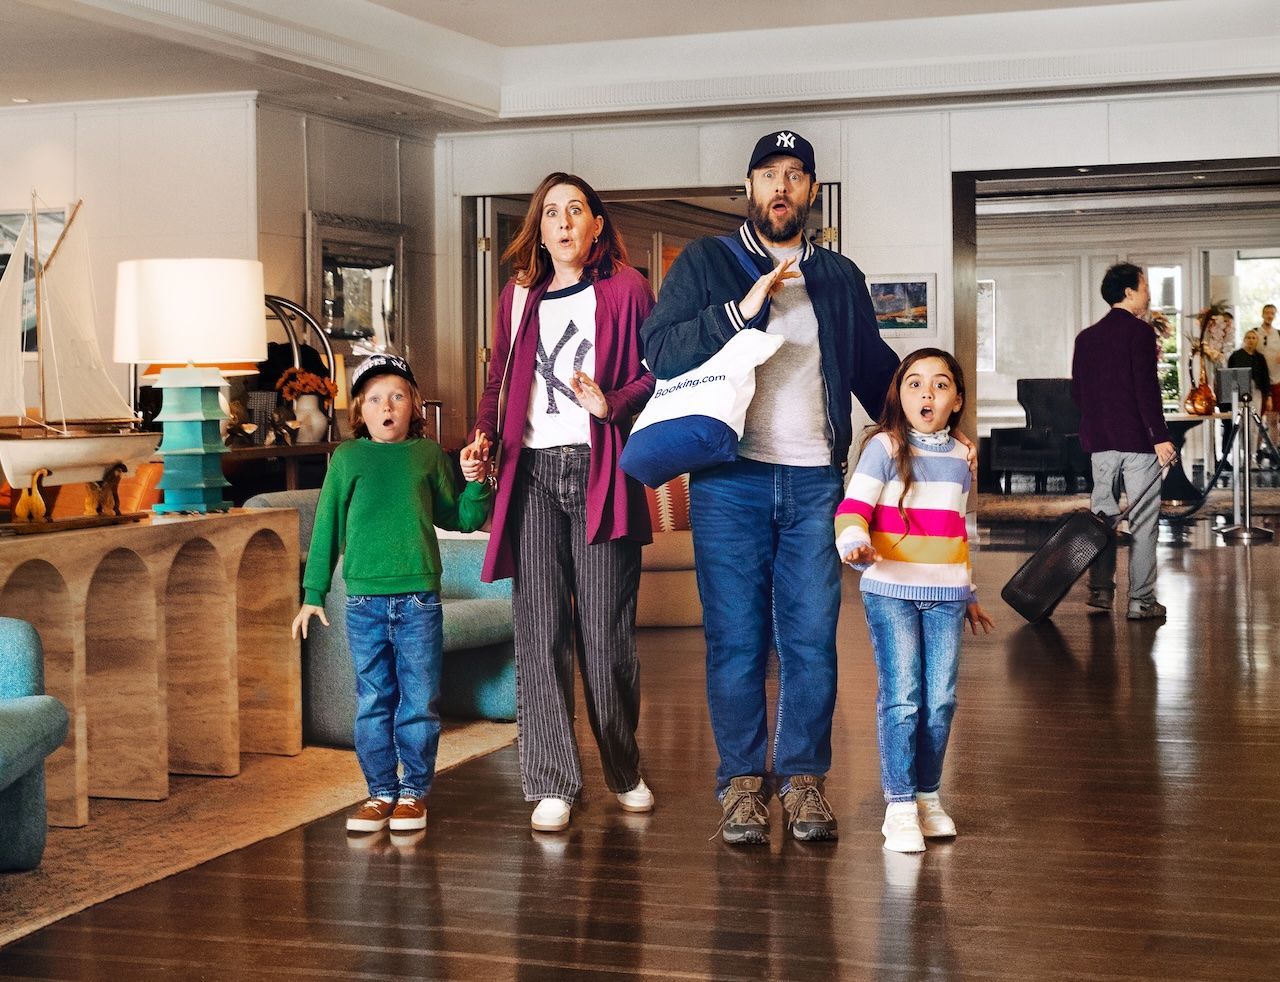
x=765, y=224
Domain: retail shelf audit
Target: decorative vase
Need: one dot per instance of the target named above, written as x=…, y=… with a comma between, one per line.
x=313, y=424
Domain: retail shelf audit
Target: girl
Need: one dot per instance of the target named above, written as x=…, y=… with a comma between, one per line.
x=902, y=523
x=384, y=494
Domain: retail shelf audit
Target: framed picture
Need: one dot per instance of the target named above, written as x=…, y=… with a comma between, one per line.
x=986, y=325
x=905, y=305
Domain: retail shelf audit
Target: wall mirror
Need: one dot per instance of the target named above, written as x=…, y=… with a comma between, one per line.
x=355, y=277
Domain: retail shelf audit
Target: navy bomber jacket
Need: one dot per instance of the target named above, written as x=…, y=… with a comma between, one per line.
x=697, y=313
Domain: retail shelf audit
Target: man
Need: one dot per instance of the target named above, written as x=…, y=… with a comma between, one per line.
x=1269, y=345
x=1247, y=356
x=763, y=526
x=1122, y=427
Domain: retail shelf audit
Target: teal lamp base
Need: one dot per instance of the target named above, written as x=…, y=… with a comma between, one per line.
x=192, y=445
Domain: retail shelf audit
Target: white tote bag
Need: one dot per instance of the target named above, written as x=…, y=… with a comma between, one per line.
x=695, y=420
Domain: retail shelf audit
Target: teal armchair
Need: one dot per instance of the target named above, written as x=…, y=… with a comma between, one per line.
x=32, y=726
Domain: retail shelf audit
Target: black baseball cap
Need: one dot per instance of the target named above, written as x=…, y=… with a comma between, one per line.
x=376, y=365
x=787, y=142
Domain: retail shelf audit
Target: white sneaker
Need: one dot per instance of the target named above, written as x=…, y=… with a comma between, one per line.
x=551, y=815
x=934, y=822
x=902, y=828
x=638, y=799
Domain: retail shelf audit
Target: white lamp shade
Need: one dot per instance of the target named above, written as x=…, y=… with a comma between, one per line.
x=190, y=310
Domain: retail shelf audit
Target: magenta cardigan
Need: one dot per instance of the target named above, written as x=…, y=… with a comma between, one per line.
x=616, y=507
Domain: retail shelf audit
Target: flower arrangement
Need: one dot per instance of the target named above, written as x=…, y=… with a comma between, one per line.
x=295, y=382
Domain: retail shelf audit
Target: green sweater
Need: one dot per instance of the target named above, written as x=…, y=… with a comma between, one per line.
x=378, y=509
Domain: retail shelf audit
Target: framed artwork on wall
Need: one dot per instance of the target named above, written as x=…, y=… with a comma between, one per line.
x=905, y=305
x=51, y=223
x=986, y=325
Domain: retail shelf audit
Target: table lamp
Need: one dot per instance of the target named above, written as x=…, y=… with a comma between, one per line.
x=197, y=314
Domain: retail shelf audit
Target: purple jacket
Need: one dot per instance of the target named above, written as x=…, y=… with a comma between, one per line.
x=616, y=506
x=1114, y=382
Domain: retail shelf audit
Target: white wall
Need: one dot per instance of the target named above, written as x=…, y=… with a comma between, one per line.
x=895, y=169
x=159, y=177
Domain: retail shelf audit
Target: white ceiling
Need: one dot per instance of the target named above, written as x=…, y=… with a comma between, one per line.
x=512, y=23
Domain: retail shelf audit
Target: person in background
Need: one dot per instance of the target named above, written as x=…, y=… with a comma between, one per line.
x=1269, y=346
x=1123, y=430
x=1248, y=356
x=385, y=492
x=568, y=524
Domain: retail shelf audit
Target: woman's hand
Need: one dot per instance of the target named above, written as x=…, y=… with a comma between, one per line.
x=590, y=396
x=304, y=618
x=975, y=615
x=474, y=458
x=765, y=287
x=862, y=556
x=971, y=456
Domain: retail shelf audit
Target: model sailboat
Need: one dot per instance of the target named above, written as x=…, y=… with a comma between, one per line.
x=85, y=431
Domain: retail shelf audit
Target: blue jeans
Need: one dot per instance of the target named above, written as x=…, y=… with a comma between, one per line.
x=769, y=576
x=396, y=645
x=917, y=649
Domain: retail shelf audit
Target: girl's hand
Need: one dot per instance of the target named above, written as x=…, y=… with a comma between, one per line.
x=971, y=456
x=862, y=556
x=474, y=458
x=975, y=615
x=590, y=397
x=766, y=286
x=304, y=617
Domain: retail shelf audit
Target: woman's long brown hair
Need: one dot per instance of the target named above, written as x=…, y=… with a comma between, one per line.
x=893, y=420
x=533, y=263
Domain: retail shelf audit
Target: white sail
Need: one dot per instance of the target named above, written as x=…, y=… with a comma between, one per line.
x=76, y=383
x=12, y=399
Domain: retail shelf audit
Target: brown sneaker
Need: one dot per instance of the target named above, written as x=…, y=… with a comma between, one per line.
x=746, y=813
x=409, y=814
x=372, y=816
x=808, y=812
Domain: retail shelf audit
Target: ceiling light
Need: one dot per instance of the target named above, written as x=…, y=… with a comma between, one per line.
x=1082, y=170
x=398, y=112
x=20, y=100
x=1197, y=177
x=342, y=98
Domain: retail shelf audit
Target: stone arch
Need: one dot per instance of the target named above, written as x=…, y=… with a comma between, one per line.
x=270, y=686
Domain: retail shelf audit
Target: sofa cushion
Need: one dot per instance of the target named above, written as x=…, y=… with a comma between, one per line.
x=669, y=505
x=668, y=550
x=472, y=623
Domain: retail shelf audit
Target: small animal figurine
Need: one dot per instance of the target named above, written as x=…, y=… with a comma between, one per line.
x=284, y=429
x=30, y=506
x=239, y=430
x=103, y=497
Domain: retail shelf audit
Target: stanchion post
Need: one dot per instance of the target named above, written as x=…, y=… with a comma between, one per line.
x=1243, y=532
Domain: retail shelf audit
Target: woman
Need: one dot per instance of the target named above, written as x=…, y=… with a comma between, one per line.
x=567, y=523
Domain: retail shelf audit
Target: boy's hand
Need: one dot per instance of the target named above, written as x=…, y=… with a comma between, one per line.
x=304, y=617
x=862, y=556
x=975, y=615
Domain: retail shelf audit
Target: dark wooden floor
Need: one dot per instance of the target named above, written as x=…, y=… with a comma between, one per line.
x=1116, y=785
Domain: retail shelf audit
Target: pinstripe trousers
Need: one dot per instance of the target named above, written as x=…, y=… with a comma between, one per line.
x=568, y=594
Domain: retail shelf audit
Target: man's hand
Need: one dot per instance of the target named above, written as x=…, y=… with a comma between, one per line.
x=765, y=287
x=1165, y=453
x=474, y=458
x=862, y=556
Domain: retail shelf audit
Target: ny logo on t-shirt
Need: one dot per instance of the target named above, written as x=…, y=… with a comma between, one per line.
x=545, y=365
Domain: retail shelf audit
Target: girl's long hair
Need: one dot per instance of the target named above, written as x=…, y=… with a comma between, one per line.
x=417, y=417
x=893, y=420
x=533, y=263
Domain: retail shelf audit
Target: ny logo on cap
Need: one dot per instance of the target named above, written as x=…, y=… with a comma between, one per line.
x=787, y=140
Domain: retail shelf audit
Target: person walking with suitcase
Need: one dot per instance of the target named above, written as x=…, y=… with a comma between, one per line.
x=1123, y=430
x=902, y=522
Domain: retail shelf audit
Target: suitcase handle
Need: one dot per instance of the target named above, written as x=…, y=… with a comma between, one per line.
x=1114, y=520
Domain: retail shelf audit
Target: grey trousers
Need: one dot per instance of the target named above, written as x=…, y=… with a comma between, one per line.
x=568, y=594
x=1112, y=472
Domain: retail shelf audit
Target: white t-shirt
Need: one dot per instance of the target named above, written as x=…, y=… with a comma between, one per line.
x=566, y=343
x=1269, y=348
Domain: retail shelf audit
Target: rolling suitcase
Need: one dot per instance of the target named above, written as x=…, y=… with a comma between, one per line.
x=1071, y=548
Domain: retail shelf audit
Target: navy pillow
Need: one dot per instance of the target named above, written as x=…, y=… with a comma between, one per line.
x=663, y=450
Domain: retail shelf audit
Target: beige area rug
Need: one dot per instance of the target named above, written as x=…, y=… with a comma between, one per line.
x=128, y=844
x=1045, y=507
